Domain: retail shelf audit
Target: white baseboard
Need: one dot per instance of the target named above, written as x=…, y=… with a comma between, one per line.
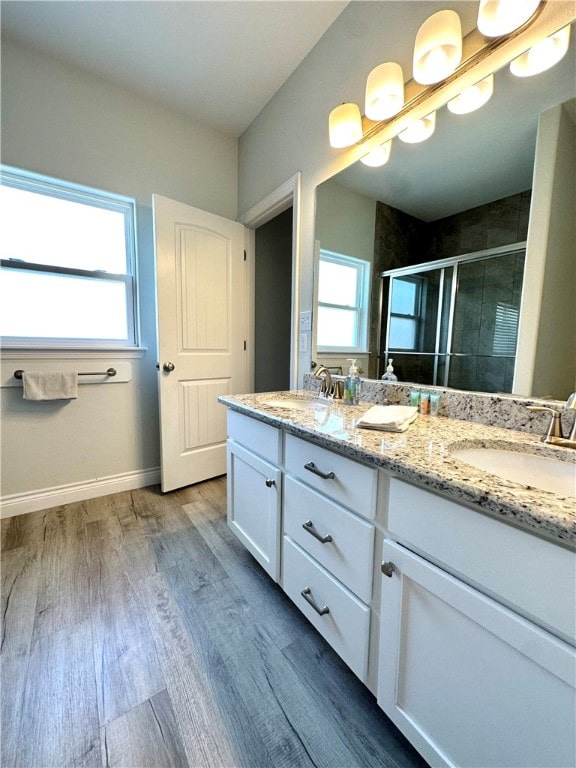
x=32, y=501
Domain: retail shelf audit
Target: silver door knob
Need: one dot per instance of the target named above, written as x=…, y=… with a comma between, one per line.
x=168, y=367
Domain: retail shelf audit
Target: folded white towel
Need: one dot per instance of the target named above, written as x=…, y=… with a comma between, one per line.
x=388, y=418
x=50, y=386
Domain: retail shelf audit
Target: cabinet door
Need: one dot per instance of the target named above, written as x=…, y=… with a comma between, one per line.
x=254, y=506
x=469, y=682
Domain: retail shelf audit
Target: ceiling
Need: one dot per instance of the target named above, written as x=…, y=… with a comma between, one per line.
x=221, y=62
x=217, y=62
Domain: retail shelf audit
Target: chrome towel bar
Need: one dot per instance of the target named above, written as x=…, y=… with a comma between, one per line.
x=109, y=372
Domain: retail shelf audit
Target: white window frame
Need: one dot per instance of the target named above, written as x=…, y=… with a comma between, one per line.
x=57, y=188
x=362, y=306
x=415, y=318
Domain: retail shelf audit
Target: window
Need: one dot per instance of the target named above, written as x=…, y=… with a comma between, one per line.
x=67, y=264
x=343, y=294
x=405, y=313
x=505, y=329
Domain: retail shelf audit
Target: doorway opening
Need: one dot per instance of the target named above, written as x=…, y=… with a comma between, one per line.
x=279, y=266
x=273, y=303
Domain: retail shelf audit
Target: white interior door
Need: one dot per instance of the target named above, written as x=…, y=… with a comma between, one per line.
x=201, y=292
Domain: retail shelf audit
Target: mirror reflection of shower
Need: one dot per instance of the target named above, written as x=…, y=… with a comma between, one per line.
x=454, y=322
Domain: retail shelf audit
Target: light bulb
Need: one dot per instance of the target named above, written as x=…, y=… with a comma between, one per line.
x=500, y=17
x=419, y=130
x=543, y=55
x=472, y=98
x=438, y=48
x=436, y=63
x=345, y=126
x=384, y=91
x=378, y=156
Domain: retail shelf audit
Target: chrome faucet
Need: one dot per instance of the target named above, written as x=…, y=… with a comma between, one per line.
x=554, y=434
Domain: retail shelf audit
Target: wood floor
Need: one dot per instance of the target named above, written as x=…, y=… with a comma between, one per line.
x=138, y=632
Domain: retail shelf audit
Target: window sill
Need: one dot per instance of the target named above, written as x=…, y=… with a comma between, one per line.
x=67, y=353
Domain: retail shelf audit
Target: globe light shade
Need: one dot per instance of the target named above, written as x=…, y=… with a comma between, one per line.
x=500, y=17
x=345, y=126
x=543, y=55
x=472, y=98
x=378, y=156
x=438, y=48
x=384, y=91
x=419, y=130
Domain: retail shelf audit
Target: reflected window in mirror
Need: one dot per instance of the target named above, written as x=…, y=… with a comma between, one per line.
x=405, y=313
x=343, y=296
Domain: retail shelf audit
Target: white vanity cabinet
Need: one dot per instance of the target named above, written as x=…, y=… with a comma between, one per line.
x=467, y=633
x=462, y=672
x=329, y=502
x=254, y=488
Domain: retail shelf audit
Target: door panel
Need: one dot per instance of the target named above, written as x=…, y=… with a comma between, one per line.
x=201, y=290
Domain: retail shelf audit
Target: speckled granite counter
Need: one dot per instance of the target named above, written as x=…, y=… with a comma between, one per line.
x=422, y=455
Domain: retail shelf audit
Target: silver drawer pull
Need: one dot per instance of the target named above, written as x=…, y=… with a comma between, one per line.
x=388, y=568
x=309, y=599
x=309, y=526
x=311, y=467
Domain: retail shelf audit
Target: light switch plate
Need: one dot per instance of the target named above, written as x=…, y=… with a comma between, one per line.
x=306, y=321
x=303, y=342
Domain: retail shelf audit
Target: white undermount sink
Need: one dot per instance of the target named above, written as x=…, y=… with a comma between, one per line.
x=536, y=471
x=295, y=403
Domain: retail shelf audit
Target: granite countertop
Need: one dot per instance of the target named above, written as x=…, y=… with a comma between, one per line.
x=422, y=455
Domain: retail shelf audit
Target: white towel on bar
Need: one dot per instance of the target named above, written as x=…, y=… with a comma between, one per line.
x=388, y=418
x=39, y=385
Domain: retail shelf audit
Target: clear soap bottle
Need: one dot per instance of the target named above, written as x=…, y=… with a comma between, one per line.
x=352, y=384
x=390, y=375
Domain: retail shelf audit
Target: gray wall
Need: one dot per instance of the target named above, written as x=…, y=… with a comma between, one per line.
x=63, y=122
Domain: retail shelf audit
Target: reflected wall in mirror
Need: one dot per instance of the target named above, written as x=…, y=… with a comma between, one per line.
x=473, y=186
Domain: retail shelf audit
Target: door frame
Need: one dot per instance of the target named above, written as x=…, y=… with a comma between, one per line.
x=283, y=197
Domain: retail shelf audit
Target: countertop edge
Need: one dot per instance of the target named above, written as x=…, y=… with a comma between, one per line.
x=501, y=504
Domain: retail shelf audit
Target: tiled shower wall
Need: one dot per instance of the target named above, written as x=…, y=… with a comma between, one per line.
x=489, y=295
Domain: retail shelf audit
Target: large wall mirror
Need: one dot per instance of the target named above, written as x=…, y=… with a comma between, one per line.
x=469, y=189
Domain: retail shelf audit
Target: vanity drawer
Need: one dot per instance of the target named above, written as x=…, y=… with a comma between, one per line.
x=345, y=480
x=346, y=624
x=524, y=571
x=260, y=438
x=349, y=553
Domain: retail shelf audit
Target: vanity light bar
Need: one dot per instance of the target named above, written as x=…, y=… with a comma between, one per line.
x=436, y=42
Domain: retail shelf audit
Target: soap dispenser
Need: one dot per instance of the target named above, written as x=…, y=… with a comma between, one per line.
x=352, y=384
x=390, y=375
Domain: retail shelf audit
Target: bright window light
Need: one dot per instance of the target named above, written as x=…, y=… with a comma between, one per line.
x=405, y=313
x=343, y=295
x=67, y=264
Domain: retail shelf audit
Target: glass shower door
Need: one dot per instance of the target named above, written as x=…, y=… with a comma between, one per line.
x=485, y=323
x=413, y=324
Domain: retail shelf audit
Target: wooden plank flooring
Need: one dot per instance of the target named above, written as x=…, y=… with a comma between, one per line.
x=138, y=632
